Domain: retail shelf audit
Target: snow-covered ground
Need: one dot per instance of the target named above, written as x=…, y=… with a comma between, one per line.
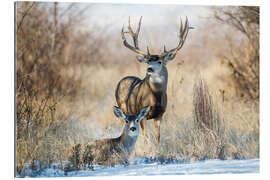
x=155, y=168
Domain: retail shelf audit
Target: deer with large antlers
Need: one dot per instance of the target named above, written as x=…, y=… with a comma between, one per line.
x=132, y=93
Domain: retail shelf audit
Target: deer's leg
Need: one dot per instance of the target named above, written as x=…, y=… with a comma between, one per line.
x=157, y=127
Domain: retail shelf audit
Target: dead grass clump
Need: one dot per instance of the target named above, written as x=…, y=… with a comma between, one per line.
x=208, y=123
x=36, y=135
x=205, y=116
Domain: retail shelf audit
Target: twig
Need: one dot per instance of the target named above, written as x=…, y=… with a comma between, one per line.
x=24, y=15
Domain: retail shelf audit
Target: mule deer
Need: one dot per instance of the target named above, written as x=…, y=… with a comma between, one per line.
x=110, y=151
x=132, y=93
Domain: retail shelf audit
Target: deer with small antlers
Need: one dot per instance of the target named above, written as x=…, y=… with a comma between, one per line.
x=132, y=93
x=110, y=151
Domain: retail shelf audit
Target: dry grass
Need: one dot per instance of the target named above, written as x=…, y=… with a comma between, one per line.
x=90, y=117
x=233, y=120
x=232, y=133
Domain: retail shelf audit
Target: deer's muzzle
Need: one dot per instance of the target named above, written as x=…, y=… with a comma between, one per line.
x=133, y=129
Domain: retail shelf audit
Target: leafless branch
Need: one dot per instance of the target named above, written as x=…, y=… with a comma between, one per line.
x=25, y=13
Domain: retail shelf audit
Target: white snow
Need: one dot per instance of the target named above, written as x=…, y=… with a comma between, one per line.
x=149, y=169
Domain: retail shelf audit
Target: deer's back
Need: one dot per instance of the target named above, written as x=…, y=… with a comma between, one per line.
x=124, y=91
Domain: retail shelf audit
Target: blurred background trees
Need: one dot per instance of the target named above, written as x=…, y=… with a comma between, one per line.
x=244, y=57
x=50, y=43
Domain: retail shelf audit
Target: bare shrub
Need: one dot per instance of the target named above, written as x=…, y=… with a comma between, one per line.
x=40, y=42
x=37, y=136
x=243, y=60
x=46, y=50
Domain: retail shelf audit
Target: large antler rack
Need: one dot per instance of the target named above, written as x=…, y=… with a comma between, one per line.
x=134, y=36
x=183, y=31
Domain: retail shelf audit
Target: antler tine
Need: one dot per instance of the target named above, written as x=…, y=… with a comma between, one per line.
x=148, y=52
x=182, y=35
x=139, y=26
x=130, y=31
x=165, y=49
x=122, y=33
x=185, y=31
x=181, y=26
x=134, y=37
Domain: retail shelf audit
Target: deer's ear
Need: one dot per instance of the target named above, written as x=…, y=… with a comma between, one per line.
x=118, y=112
x=169, y=56
x=144, y=111
x=142, y=59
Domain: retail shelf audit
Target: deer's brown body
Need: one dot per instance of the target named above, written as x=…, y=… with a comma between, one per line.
x=132, y=93
x=110, y=151
x=105, y=152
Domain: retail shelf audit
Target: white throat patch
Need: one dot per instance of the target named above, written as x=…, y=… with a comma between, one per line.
x=157, y=79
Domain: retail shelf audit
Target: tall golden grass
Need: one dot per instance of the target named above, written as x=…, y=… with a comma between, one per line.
x=65, y=93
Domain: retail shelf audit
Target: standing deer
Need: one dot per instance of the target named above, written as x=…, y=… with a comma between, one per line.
x=110, y=151
x=132, y=93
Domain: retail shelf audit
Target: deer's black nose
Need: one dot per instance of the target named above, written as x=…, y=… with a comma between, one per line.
x=150, y=70
x=133, y=128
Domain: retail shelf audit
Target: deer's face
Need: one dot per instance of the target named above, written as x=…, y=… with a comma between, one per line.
x=132, y=126
x=156, y=63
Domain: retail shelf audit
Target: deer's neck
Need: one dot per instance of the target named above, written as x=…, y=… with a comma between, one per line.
x=128, y=142
x=158, y=81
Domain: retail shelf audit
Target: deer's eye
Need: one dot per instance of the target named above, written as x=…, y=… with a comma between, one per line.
x=126, y=121
x=159, y=62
